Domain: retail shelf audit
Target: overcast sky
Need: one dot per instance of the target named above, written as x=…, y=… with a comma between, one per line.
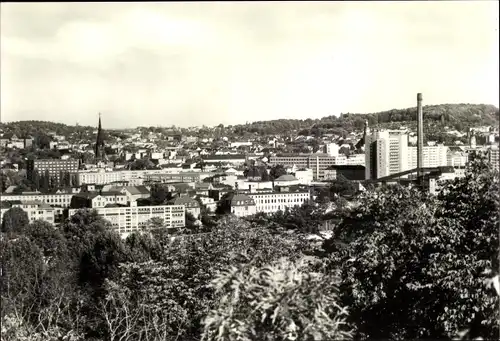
x=191, y=63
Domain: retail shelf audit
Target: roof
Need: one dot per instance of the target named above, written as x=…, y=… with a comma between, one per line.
x=347, y=167
x=286, y=177
x=240, y=200
x=185, y=200
x=134, y=190
x=224, y=157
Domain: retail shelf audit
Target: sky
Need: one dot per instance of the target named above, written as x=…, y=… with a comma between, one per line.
x=206, y=63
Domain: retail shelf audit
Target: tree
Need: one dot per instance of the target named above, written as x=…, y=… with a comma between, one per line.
x=280, y=301
x=277, y=171
x=343, y=187
x=413, y=265
x=15, y=220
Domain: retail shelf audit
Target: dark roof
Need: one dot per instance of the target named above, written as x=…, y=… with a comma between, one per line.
x=347, y=167
x=137, y=190
x=224, y=157
x=185, y=200
x=238, y=199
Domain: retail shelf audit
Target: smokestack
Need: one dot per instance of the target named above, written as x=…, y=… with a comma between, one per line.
x=420, y=134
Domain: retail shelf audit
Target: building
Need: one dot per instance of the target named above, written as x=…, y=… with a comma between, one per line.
x=54, y=167
x=192, y=206
x=494, y=157
x=283, y=198
x=304, y=175
x=103, y=177
x=100, y=154
x=456, y=157
x=317, y=162
x=386, y=153
x=432, y=156
x=239, y=204
x=96, y=200
x=286, y=180
x=349, y=172
x=133, y=193
x=129, y=219
x=56, y=200
x=234, y=159
x=332, y=149
x=36, y=210
x=177, y=177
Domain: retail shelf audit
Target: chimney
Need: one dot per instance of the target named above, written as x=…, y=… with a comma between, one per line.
x=420, y=134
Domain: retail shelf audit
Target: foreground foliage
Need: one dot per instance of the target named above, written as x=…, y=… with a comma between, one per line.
x=400, y=264
x=280, y=301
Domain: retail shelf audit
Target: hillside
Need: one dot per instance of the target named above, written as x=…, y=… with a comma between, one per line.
x=459, y=116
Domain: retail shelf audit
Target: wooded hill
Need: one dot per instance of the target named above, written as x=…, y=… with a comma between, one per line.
x=457, y=116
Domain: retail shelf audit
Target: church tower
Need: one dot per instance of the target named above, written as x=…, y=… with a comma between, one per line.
x=99, y=146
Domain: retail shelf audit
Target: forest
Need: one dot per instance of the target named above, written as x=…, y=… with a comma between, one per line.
x=457, y=116
x=401, y=264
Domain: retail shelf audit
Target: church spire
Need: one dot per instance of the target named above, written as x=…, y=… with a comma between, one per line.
x=99, y=146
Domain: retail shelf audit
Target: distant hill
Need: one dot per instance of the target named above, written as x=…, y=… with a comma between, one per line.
x=459, y=116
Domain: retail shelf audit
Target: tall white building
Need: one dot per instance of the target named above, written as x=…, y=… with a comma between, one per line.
x=493, y=156
x=386, y=153
x=432, y=156
x=332, y=149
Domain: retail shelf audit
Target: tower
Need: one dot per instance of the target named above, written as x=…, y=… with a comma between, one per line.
x=99, y=146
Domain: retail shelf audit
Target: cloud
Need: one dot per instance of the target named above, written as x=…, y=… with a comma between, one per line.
x=210, y=63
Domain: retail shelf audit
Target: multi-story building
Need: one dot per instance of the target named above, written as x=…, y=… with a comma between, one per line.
x=332, y=149
x=273, y=201
x=95, y=200
x=432, y=156
x=102, y=177
x=234, y=159
x=126, y=220
x=456, y=157
x=493, y=156
x=54, y=167
x=386, y=153
x=61, y=200
x=317, y=162
x=304, y=175
x=36, y=210
x=178, y=177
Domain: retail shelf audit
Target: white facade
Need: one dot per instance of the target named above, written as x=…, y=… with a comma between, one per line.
x=240, y=144
x=63, y=200
x=432, y=156
x=386, y=153
x=101, y=177
x=274, y=201
x=355, y=160
x=304, y=176
x=494, y=157
x=126, y=220
x=332, y=149
x=35, y=211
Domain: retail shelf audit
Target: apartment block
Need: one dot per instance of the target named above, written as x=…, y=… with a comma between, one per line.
x=317, y=162
x=56, y=200
x=493, y=156
x=432, y=156
x=54, y=167
x=386, y=153
x=129, y=219
x=102, y=177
